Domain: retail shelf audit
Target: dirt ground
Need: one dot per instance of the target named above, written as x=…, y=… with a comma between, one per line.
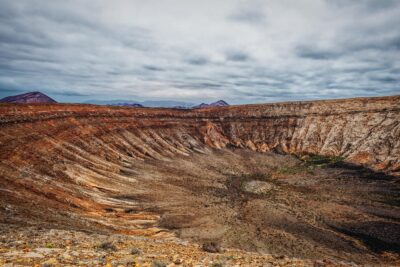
x=279, y=204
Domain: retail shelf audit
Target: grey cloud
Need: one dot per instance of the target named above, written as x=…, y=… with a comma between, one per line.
x=197, y=60
x=383, y=44
x=251, y=16
x=281, y=93
x=153, y=68
x=365, y=5
x=6, y=90
x=70, y=93
x=316, y=53
x=386, y=79
x=134, y=37
x=207, y=85
x=378, y=5
x=238, y=56
x=253, y=84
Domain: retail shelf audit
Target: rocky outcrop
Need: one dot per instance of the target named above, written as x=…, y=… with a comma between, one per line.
x=86, y=249
x=364, y=131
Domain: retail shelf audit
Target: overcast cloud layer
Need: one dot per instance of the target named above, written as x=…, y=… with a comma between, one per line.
x=239, y=51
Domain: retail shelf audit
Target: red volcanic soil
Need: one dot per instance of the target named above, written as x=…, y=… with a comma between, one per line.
x=303, y=179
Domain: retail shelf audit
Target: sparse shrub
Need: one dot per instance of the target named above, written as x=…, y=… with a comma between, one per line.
x=311, y=163
x=212, y=247
x=107, y=246
x=321, y=161
x=258, y=176
x=49, y=245
x=136, y=251
x=217, y=264
x=109, y=210
x=296, y=169
x=230, y=257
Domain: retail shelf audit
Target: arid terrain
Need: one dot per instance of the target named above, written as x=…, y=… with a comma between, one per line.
x=296, y=183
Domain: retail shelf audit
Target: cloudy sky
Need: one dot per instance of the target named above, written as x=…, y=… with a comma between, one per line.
x=239, y=51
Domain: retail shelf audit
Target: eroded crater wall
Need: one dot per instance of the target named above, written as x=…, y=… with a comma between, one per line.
x=365, y=131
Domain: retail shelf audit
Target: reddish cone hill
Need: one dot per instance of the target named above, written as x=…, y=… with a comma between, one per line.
x=31, y=97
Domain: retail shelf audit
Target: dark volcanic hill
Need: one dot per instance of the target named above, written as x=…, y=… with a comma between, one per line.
x=219, y=103
x=135, y=105
x=31, y=97
x=148, y=103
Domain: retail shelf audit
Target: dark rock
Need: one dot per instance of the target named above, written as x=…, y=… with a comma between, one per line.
x=212, y=247
x=108, y=246
x=136, y=251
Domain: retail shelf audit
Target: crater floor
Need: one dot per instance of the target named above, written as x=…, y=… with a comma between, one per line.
x=257, y=202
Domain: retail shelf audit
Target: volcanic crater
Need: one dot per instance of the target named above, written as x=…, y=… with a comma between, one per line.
x=303, y=179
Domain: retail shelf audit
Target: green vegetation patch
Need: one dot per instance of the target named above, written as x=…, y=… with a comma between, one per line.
x=321, y=161
x=295, y=169
x=310, y=163
x=49, y=245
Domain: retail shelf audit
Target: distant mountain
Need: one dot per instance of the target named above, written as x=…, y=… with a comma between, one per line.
x=156, y=103
x=31, y=97
x=167, y=104
x=162, y=104
x=136, y=105
x=38, y=97
x=202, y=105
x=219, y=103
x=109, y=102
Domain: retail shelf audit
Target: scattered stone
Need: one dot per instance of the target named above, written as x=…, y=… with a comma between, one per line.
x=212, y=247
x=319, y=263
x=153, y=252
x=75, y=253
x=177, y=260
x=50, y=263
x=66, y=256
x=257, y=187
x=129, y=260
x=157, y=263
x=47, y=251
x=136, y=251
x=33, y=255
x=12, y=253
x=108, y=246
